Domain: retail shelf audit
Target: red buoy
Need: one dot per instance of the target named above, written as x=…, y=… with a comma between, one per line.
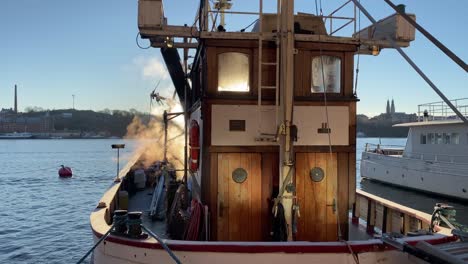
x=65, y=172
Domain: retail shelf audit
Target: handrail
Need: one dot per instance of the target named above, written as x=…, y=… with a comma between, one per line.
x=441, y=111
x=442, y=158
x=207, y=11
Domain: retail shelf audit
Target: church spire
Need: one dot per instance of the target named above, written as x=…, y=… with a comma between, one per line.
x=392, y=109
x=388, y=107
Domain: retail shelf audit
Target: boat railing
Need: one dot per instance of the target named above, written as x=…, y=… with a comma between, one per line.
x=437, y=111
x=384, y=216
x=384, y=149
x=398, y=150
x=432, y=157
x=334, y=22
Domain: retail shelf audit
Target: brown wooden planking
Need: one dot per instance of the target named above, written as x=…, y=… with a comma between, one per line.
x=352, y=178
x=306, y=101
x=241, y=219
x=211, y=181
x=348, y=74
x=269, y=168
x=314, y=197
x=244, y=217
x=300, y=187
x=352, y=124
x=324, y=149
x=342, y=195
x=235, y=204
x=243, y=149
x=222, y=197
x=302, y=74
x=325, y=46
x=256, y=200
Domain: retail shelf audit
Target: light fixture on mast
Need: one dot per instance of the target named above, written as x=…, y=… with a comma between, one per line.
x=222, y=5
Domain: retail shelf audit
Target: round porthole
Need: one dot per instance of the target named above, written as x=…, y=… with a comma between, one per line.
x=317, y=174
x=239, y=175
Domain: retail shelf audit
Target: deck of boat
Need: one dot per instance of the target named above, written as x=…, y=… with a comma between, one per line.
x=141, y=201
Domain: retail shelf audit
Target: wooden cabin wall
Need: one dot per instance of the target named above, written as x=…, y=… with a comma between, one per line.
x=345, y=156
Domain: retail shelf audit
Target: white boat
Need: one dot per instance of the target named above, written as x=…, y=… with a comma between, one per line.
x=271, y=173
x=15, y=135
x=435, y=158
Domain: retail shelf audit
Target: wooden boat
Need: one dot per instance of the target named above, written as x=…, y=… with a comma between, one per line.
x=272, y=172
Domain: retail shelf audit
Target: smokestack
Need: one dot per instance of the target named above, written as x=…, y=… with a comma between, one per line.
x=16, y=101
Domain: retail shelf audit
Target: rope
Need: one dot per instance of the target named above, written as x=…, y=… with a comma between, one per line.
x=193, y=228
x=95, y=245
x=163, y=244
x=340, y=238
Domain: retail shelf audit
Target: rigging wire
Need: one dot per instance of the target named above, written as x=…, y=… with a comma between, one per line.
x=321, y=11
x=243, y=29
x=316, y=8
x=359, y=54
x=138, y=44
x=340, y=235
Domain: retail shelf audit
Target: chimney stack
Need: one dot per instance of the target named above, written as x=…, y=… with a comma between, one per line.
x=16, y=101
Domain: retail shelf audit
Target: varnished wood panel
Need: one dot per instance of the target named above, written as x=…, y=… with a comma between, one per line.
x=352, y=178
x=212, y=181
x=270, y=178
x=325, y=46
x=318, y=221
x=343, y=190
x=239, y=204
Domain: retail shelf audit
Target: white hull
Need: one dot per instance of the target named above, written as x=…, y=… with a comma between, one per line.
x=116, y=253
x=443, y=178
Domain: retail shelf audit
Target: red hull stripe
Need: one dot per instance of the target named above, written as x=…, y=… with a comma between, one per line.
x=325, y=247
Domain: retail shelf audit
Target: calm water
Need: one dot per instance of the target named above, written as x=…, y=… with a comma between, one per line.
x=45, y=219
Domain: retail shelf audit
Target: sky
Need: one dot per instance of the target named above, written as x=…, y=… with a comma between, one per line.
x=53, y=49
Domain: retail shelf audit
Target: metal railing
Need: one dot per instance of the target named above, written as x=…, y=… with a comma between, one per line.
x=429, y=157
x=437, y=111
x=211, y=15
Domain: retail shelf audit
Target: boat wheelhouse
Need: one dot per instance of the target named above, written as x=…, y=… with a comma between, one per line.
x=271, y=166
x=435, y=158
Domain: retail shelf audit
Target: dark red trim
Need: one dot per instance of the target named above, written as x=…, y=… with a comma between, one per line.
x=315, y=248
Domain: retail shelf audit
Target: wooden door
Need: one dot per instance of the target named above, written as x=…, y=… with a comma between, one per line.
x=239, y=203
x=317, y=199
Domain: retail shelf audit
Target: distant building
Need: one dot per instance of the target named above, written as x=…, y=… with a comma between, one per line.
x=395, y=117
x=390, y=110
x=67, y=115
x=21, y=123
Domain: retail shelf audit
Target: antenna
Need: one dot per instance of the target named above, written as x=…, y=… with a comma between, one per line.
x=73, y=101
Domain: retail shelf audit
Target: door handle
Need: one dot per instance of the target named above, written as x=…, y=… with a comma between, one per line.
x=333, y=205
x=221, y=209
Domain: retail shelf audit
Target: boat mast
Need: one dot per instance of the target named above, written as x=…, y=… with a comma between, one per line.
x=286, y=37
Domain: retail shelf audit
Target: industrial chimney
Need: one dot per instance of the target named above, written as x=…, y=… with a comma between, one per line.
x=16, y=101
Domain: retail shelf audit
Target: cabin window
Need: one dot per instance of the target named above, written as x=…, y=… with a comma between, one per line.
x=455, y=139
x=438, y=138
x=430, y=138
x=446, y=138
x=233, y=72
x=423, y=138
x=329, y=75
